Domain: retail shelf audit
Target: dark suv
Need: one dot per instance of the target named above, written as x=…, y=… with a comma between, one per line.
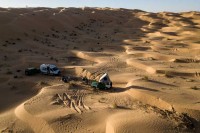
x=31, y=71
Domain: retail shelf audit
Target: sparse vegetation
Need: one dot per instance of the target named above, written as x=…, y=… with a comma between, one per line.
x=72, y=84
x=195, y=88
x=167, y=74
x=15, y=76
x=51, y=58
x=5, y=57
x=25, y=34
x=33, y=30
x=13, y=88
x=5, y=45
x=43, y=83
x=190, y=80
x=101, y=49
x=114, y=105
x=18, y=39
x=9, y=72
x=145, y=78
x=75, y=47
x=19, y=50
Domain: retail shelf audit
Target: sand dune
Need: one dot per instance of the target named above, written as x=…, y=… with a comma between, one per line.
x=136, y=123
x=37, y=124
x=152, y=58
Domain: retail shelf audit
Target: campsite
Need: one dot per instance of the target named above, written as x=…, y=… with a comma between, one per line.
x=99, y=70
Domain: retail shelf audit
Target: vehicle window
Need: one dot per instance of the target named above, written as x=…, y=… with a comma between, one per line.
x=55, y=68
x=105, y=79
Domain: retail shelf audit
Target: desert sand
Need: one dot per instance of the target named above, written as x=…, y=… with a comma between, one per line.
x=153, y=60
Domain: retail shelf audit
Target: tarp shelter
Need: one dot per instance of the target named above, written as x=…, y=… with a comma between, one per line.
x=105, y=79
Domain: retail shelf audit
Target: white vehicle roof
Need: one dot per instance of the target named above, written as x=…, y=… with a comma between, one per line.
x=50, y=65
x=102, y=78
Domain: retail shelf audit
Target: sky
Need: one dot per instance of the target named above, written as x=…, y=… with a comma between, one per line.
x=146, y=5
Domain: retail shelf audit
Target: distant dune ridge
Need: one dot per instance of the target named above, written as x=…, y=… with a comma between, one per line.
x=153, y=60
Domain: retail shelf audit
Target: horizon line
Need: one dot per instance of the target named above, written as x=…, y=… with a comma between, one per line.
x=26, y=7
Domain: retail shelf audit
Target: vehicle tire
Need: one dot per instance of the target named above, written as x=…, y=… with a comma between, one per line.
x=43, y=73
x=48, y=73
x=27, y=73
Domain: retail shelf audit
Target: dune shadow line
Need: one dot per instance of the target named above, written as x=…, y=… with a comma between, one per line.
x=141, y=88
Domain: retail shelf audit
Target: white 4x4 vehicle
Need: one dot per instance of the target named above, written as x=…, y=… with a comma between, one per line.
x=49, y=69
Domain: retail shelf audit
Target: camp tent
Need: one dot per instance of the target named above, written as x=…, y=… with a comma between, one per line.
x=103, y=83
x=105, y=79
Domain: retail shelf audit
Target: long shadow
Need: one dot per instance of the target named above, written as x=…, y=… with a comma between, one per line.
x=141, y=88
x=13, y=102
x=115, y=90
x=153, y=81
x=120, y=89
